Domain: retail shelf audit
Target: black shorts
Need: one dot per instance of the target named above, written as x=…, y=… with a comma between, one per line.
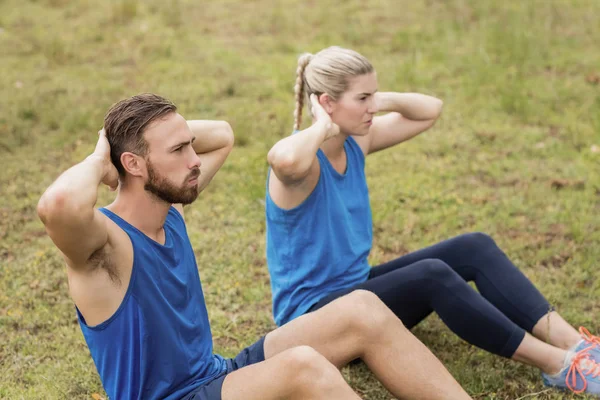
x=212, y=390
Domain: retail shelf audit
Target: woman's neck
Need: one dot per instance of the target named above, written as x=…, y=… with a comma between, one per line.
x=334, y=147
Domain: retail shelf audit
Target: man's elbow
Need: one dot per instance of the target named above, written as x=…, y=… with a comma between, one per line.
x=53, y=203
x=227, y=134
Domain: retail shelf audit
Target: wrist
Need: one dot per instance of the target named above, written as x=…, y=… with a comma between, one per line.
x=385, y=102
x=100, y=164
x=327, y=128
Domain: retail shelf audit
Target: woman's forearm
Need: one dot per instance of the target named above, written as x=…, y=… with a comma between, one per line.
x=414, y=106
x=292, y=156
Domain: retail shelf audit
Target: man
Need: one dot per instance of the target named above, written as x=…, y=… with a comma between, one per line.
x=134, y=279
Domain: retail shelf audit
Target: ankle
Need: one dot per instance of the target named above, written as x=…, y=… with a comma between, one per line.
x=557, y=365
x=571, y=343
x=552, y=370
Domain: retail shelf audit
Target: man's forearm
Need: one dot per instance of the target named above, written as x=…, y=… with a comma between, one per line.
x=76, y=190
x=414, y=106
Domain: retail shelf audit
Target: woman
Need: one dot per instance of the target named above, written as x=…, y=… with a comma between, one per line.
x=319, y=231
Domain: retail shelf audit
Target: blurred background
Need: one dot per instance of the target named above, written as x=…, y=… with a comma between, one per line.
x=516, y=153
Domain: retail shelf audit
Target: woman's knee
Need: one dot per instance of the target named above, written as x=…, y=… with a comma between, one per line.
x=437, y=270
x=476, y=241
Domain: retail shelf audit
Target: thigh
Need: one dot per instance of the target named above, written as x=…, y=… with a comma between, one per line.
x=405, y=291
x=329, y=330
x=263, y=380
x=287, y=375
x=451, y=251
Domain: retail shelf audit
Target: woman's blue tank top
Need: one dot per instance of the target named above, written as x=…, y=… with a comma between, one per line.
x=321, y=245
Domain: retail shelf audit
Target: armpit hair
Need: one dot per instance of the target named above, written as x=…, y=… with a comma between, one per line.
x=102, y=259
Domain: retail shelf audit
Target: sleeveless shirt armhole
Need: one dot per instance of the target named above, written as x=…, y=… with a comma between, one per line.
x=128, y=293
x=177, y=218
x=356, y=148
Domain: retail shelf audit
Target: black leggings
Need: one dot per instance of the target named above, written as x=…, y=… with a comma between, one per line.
x=435, y=279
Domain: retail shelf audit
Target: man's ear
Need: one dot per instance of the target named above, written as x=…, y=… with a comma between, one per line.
x=133, y=164
x=327, y=103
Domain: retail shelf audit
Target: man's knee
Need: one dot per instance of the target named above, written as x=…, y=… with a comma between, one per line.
x=364, y=299
x=308, y=369
x=368, y=314
x=364, y=303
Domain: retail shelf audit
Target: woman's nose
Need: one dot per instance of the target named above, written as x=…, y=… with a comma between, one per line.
x=372, y=108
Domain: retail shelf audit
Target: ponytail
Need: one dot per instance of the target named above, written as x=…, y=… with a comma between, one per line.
x=299, y=88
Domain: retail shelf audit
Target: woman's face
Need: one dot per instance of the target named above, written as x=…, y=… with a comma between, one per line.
x=353, y=112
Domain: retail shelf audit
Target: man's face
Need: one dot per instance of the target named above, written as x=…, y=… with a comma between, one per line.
x=170, y=192
x=173, y=167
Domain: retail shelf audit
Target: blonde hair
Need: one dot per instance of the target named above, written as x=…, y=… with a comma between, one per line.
x=329, y=72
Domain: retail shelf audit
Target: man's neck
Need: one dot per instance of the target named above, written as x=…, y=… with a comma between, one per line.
x=142, y=210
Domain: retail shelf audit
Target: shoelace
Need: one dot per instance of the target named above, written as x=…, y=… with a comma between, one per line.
x=592, y=368
x=588, y=337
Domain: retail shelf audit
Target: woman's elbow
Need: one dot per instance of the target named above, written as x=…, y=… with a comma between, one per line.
x=438, y=106
x=282, y=161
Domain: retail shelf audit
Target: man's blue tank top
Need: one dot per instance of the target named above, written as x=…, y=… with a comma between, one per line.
x=321, y=245
x=158, y=344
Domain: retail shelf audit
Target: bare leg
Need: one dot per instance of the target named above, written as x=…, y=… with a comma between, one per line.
x=534, y=352
x=359, y=325
x=553, y=329
x=298, y=373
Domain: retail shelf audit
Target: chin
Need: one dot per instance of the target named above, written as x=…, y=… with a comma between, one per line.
x=363, y=131
x=358, y=131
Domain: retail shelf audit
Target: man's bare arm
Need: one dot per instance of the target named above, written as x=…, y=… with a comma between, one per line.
x=67, y=207
x=213, y=143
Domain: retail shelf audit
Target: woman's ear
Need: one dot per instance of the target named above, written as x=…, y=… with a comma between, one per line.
x=133, y=164
x=327, y=102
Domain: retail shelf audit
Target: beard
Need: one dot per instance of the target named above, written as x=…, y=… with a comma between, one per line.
x=166, y=191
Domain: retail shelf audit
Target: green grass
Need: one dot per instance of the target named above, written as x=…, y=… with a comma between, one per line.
x=512, y=155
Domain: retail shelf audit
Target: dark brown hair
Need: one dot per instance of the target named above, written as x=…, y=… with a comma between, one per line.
x=126, y=121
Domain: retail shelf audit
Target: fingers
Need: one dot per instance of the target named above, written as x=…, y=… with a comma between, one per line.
x=316, y=109
x=102, y=145
x=112, y=178
x=313, y=99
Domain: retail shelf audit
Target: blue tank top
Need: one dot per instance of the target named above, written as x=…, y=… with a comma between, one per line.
x=158, y=344
x=321, y=245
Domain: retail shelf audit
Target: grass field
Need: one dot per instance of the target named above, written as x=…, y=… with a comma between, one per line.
x=516, y=154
